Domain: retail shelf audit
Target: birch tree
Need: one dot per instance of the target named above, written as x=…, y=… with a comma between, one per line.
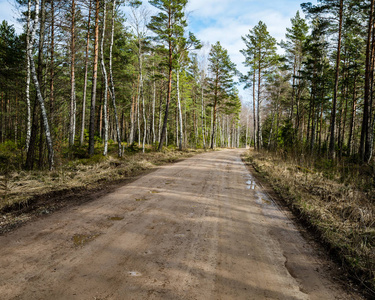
x=85, y=76
x=28, y=79
x=105, y=76
x=113, y=94
x=139, y=20
x=37, y=87
x=73, y=104
x=94, y=81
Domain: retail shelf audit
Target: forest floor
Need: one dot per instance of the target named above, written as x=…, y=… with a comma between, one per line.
x=203, y=228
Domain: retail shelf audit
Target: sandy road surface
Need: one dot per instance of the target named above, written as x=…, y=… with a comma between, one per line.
x=198, y=229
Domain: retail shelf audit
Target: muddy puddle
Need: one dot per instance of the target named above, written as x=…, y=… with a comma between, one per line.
x=154, y=192
x=79, y=240
x=261, y=198
x=116, y=218
x=250, y=182
x=250, y=185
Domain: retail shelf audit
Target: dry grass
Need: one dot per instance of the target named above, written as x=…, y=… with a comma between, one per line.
x=343, y=216
x=18, y=187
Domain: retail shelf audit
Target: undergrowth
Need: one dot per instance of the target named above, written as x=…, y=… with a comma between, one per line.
x=341, y=211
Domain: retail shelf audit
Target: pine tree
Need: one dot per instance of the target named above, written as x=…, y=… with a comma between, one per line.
x=260, y=54
x=295, y=39
x=169, y=26
x=221, y=82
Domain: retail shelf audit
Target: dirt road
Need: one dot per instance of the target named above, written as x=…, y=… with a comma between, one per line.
x=198, y=229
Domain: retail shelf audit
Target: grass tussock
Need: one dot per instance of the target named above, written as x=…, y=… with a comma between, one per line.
x=18, y=187
x=341, y=214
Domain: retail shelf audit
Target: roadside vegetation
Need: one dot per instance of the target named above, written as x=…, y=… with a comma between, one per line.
x=336, y=202
x=75, y=173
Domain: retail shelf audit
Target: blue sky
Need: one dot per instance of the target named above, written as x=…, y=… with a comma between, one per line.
x=227, y=20
x=221, y=20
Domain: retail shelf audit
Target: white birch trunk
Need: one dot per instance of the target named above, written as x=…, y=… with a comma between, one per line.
x=85, y=80
x=138, y=121
x=159, y=127
x=28, y=122
x=179, y=110
x=73, y=103
x=144, y=119
x=247, y=129
x=105, y=102
x=211, y=129
x=203, y=123
x=37, y=87
x=153, y=108
x=112, y=81
x=141, y=95
x=132, y=120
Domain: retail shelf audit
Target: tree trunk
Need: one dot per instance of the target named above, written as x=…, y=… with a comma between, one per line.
x=254, y=113
x=37, y=87
x=293, y=86
x=82, y=137
x=203, y=127
x=165, y=123
x=153, y=107
x=112, y=81
x=179, y=109
x=337, y=73
x=259, y=131
x=105, y=79
x=132, y=119
x=52, y=67
x=365, y=121
x=354, y=107
x=28, y=121
x=137, y=105
x=214, y=113
x=141, y=95
x=94, y=82
x=73, y=105
x=160, y=110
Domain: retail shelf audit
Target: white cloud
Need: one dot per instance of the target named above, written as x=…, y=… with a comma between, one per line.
x=226, y=21
x=9, y=13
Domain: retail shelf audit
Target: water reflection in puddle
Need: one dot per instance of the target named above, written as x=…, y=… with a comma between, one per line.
x=261, y=198
x=251, y=185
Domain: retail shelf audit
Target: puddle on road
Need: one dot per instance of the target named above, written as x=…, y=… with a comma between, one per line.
x=134, y=274
x=116, y=218
x=250, y=182
x=82, y=239
x=140, y=199
x=266, y=201
x=261, y=198
x=251, y=185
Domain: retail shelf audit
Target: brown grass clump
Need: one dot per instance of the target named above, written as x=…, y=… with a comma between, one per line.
x=17, y=188
x=342, y=215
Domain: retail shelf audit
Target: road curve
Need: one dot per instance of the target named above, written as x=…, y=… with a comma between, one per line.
x=199, y=229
